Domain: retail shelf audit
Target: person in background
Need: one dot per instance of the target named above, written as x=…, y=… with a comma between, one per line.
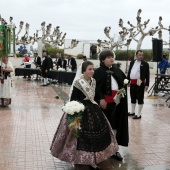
x=57, y=60
x=72, y=63
x=139, y=77
x=62, y=63
x=37, y=60
x=27, y=64
x=45, y=68
x=5, y=83
x=163, y=65
x=51, y=62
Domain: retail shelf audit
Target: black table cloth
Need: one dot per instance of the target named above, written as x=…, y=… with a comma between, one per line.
x=62, y=77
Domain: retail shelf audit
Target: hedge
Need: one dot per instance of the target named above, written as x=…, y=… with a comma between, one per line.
x=122, y=54
x=53, y=51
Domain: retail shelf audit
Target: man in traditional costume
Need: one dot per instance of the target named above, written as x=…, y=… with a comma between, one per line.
x=139, y=77
x=46, y=66
x=109, y=80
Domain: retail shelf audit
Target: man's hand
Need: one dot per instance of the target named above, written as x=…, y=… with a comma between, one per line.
x=103, y=103
x=46, y=71
x=146, y=88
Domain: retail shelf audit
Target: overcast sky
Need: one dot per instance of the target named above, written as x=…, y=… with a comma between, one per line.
x=86, y=19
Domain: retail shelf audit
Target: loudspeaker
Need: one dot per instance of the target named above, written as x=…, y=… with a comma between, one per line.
x=156, y=50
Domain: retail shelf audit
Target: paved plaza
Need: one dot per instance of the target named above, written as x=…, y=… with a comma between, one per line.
x=27, y=127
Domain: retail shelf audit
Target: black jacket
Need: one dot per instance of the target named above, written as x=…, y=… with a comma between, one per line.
x=102, y=75
x=46, y=64
x=64, y=65
x=38, y=61
x=73, y=63
x=144, y=71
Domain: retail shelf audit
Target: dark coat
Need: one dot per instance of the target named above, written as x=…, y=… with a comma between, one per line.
x=46, y=66
x=64, y=65
x=73, y=63
x=102, y=76
x=57, y=62
x=144, y=71
x=38, y=61
x=51, y=63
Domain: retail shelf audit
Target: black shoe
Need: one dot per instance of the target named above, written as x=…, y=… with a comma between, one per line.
x=24, y=77
x=137, y=117
x=117, y=156
x=131, y=114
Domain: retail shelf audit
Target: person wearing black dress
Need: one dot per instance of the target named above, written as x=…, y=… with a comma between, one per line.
x=96, y=141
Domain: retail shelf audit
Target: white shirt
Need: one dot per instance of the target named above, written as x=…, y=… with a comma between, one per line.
x=135, y=71
x=8, y=65
x=69, y=62
x=114, y=84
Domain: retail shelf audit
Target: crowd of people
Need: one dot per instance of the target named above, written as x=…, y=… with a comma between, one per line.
x=46, y=64
x=102, y=91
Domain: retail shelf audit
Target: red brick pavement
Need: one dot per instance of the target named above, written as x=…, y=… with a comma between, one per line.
x=28, y=125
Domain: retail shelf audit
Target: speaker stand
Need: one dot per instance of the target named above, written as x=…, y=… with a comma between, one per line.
x=154, y=88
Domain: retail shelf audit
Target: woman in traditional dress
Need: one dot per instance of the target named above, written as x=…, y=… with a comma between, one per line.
x=5, y=84
x=96, y=141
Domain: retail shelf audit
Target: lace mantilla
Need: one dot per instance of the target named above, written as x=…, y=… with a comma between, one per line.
x=87, y=89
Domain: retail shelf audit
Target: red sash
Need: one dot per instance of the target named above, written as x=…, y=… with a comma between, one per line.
x=109, y=99
x=134, y=81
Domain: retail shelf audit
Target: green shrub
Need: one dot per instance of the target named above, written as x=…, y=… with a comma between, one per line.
x=117, y=64
x=53, y=51
x=122, y=54
x=79, y=56
x=18, y=55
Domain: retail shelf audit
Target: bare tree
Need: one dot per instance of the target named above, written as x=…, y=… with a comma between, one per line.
x=139, y=29
x=112, y=43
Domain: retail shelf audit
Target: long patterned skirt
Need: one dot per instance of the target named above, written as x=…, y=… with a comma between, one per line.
x=70, y=149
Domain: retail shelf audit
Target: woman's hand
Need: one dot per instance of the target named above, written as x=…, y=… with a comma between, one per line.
x=103, y=103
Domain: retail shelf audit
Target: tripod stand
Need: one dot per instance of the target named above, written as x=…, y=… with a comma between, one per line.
x=154, y=88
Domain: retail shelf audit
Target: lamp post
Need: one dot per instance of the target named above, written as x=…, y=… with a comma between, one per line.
x=126, y=70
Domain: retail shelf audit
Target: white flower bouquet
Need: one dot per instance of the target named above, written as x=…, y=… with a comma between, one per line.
x=74, y=112
x=121, y=93
x=69, y=70
x=61, y=69
x=126, y=81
